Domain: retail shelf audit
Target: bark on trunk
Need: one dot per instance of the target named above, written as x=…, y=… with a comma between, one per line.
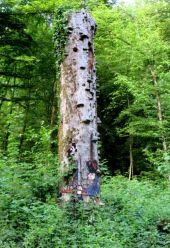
x=159, y=108
x=131, y=157
x=7, y=133
x=53, y=119
x=78, y=134
x=4, y=93
x=22, y=134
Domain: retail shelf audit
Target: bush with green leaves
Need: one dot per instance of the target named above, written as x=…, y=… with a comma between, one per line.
x=135, y=214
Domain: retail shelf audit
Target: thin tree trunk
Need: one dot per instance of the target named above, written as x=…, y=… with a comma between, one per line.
x=25, y=122
x=4, y=94
x=53, y=119
x=130, y=150
x=131, y=157
x=7, y=133
x=53, y=105
x=78, y=134
x=159, y=108
x=22, y=135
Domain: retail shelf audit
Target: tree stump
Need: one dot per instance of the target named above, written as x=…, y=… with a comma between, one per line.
x=78, y=134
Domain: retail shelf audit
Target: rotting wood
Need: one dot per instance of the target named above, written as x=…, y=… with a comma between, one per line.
x=78, y=135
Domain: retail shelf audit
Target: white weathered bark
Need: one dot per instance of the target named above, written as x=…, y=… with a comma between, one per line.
x=159, y=107
x=78, y=134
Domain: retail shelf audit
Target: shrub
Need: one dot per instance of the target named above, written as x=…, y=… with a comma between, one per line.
x=135, y=214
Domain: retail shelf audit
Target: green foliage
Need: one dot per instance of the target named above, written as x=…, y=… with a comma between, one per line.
x=60, y=34
x=129, y=42
x=135, y=214
x=23, y=187
x=138, y=212
x=164, y=166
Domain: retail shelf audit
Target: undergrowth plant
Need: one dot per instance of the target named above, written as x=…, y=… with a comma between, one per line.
x=135, y=214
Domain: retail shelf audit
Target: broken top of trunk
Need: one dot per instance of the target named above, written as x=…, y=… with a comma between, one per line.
x=78, y=134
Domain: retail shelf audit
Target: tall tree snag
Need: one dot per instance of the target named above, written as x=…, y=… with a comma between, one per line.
x=78, y=134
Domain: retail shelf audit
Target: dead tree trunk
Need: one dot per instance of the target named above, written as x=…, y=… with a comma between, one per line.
x=78, y=134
